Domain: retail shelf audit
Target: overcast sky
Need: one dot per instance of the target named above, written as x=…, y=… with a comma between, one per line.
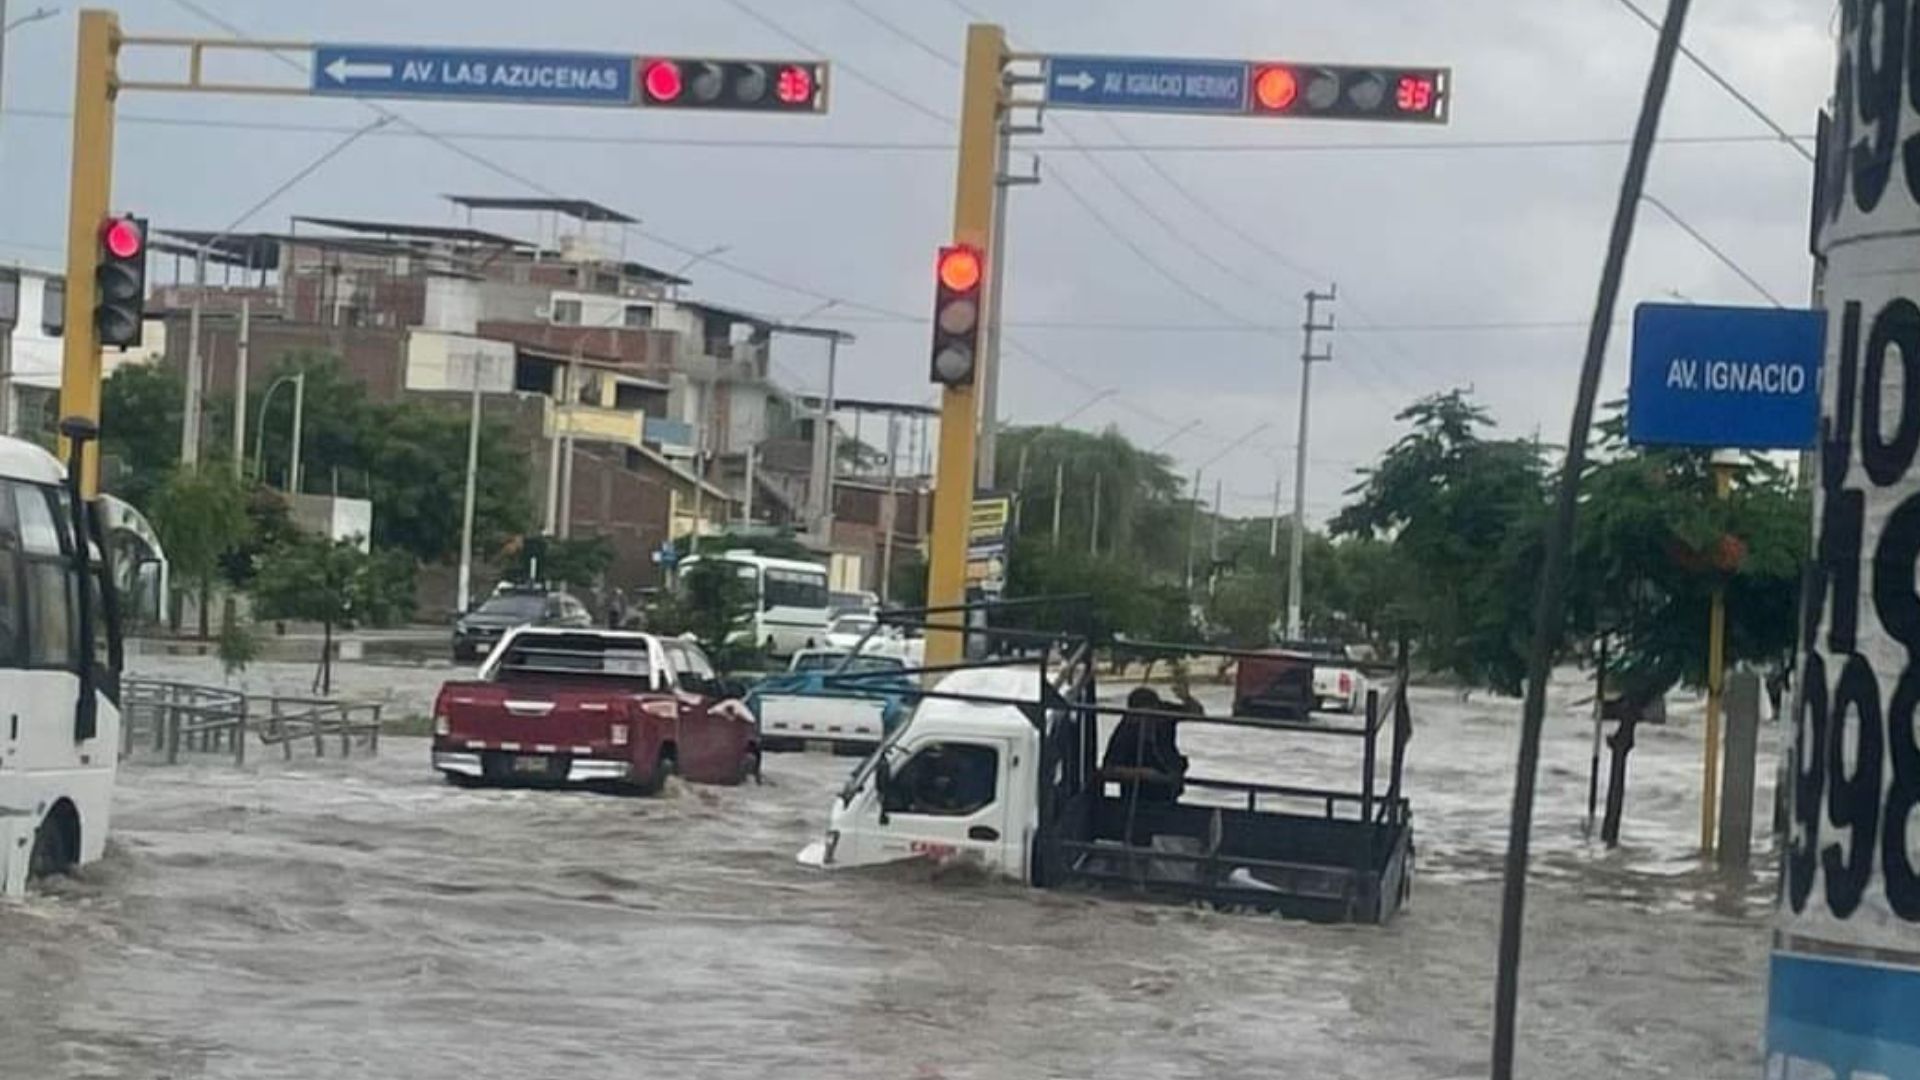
x=1185, y=301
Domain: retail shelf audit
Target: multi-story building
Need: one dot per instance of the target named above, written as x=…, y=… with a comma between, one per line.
x=647, y=415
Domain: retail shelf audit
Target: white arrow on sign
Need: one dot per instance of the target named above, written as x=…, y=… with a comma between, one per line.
x=1082, y=81
x=340, y=71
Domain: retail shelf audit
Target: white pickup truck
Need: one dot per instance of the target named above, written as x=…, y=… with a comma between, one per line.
x=1000, y=767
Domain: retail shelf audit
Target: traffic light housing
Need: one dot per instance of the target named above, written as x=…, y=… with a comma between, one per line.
x=959, y=274
x=1349, y=92
x=678, y=82
x=120, y=281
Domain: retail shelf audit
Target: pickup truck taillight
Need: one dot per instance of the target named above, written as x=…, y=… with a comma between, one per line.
x=1346, y=683
x=617, y=734
x=441, y=725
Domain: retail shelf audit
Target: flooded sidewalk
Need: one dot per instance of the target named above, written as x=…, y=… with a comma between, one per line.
x=361, y=919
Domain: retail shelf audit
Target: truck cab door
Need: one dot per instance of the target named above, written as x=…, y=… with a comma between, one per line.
x=948, y=800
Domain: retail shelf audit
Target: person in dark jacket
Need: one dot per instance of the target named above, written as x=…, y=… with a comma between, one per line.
x=1143, y=753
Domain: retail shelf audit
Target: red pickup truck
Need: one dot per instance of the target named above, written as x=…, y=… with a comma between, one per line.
x=597, y=707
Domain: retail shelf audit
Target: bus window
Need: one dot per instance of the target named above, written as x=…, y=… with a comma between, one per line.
x=40, y=531
x=793, y=589
x=12, y=625
x=52, y=631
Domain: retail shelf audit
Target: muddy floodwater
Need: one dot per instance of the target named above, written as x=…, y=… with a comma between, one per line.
x=360, y=919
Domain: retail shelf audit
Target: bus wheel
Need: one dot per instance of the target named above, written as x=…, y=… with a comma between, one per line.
x=56, y=843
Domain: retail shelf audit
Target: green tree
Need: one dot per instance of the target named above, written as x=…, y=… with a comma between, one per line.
x=1465, y=515
x=1653, y=543
x=201, y=516
x=140, y=418
x=270, y=525
x=714, y=604
x=333, y=583
x=579, y=562
x=409, y=458
x=1142, y=512
x=417, y=461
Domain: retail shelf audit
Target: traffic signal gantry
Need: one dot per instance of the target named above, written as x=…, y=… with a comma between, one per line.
x=111, y=251
x=1267, y=89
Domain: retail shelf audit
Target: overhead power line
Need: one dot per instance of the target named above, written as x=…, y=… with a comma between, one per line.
x=841, y=67
x=1698, y=238
x=896, y=146
x=1732, y=91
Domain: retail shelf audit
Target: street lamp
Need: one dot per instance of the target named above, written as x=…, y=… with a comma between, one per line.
x=1164, y=443
x=1193, y=515
x=299, y=381
x=1085, y=405
x=7, y=26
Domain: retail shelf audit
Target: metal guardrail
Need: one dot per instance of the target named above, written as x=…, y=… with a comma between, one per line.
x=186, y=717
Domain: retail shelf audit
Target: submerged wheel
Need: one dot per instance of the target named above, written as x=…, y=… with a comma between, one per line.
x=652, y=783
x=56, y=844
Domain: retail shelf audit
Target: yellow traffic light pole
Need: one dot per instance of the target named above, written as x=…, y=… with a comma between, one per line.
x=982, y=103
x=95, y=85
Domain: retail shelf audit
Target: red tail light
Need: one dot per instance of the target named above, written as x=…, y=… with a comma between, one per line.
x=1346, y=683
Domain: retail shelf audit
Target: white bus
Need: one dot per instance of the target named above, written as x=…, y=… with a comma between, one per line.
x=59, y=712
x=793, y=599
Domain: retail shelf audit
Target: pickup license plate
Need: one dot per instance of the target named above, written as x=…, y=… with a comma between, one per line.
x=530, y=763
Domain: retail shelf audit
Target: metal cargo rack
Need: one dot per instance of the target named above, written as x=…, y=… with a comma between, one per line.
x=1327, y=854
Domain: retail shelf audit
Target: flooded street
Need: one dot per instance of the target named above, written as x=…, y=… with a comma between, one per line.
x=326, y=919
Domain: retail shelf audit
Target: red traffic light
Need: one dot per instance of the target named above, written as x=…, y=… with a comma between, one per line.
x=123, y=238
x=662, y=80
x=960, y=268
x=795, y=85
x=1275, y=88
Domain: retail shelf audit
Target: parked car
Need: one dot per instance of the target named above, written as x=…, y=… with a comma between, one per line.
x=808, y=705
x=475, y=632
x=552, y=707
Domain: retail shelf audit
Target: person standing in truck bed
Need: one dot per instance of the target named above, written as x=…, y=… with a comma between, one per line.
x=1143, y=753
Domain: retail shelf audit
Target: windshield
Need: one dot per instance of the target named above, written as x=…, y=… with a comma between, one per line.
x=522, y=606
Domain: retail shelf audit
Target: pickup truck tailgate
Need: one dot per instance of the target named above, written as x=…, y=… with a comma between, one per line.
x=495, y=716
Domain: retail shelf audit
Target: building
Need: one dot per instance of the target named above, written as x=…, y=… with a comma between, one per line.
x=646, y=415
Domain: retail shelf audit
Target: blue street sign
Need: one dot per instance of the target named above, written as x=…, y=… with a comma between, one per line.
x=550, y=78
x=1146, y=84
x=1741, y=378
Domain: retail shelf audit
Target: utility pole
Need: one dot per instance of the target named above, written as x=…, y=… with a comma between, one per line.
x=9, y=318
x=986, y=470
x=299, y=418
x=890, y=510
x=1308, y=358
x=1093, y=544
x=1193, y=528
x=473, y=468
x=241, y=350
x=1059, y=486
x=1213, y=537
x=190, y=425
x=746, y=505
x=1273, y=523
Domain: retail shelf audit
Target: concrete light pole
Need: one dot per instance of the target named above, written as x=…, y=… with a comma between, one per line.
x=1307, y=359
